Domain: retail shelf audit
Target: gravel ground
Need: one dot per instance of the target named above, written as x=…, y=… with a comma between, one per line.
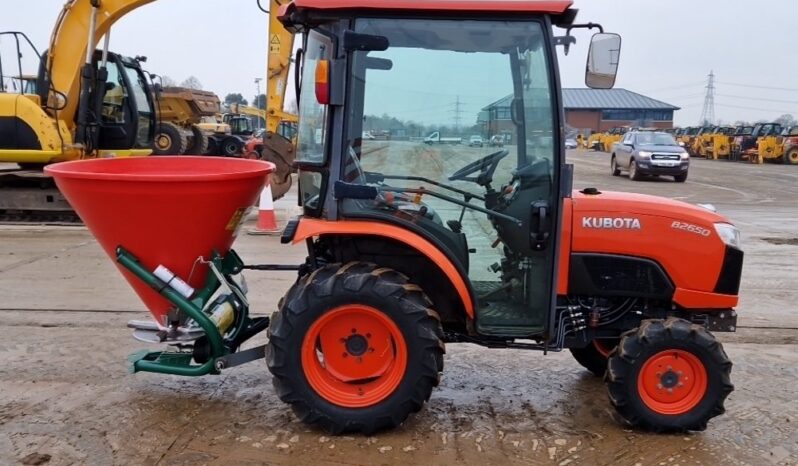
x=66, y=398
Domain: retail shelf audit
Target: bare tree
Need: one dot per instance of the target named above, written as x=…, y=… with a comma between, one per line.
x=192, y=83
x=786, y=120
x=166, y=81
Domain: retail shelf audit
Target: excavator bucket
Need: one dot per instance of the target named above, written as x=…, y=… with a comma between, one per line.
x=168, y=211
x=279, y=151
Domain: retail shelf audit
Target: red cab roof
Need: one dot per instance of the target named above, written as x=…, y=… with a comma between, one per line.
x=526, y=6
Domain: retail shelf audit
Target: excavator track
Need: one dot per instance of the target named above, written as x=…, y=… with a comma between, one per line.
x=30, y=196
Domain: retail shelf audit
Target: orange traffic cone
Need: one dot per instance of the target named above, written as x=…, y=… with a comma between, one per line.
x=267, y=222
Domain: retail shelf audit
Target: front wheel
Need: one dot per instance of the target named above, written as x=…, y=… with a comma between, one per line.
x=680, y=178
x=355, y=348
x=791, y=156
x=614, y=170
x=231, y=146
x=634, y=174
x=669, y=375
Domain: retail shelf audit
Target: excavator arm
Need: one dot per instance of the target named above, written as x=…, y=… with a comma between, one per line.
x=276, y=148
x=75, y=36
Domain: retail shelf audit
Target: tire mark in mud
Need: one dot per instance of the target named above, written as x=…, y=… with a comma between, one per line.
x=182, y=429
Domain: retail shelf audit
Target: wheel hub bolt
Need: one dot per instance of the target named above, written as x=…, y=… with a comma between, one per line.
x=356, y=345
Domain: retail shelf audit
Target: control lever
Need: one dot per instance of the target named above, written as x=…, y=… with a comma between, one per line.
x=540, y=225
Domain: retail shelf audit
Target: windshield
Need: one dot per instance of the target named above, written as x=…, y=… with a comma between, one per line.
x=139, y=89
x=462, y=104
x=656, y=139
x=441, y=83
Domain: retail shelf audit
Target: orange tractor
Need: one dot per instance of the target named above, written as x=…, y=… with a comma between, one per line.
x=412, y=247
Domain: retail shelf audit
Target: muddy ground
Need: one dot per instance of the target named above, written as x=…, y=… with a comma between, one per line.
x=66, y=398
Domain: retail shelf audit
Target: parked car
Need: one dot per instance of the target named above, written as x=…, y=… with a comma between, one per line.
x=497, y=141
x=642, y=153
x=570, y=143
x=475, y=141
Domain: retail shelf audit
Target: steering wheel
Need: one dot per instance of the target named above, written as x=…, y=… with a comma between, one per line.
x=485, y=166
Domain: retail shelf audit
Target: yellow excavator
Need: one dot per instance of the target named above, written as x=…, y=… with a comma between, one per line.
x=91, y=102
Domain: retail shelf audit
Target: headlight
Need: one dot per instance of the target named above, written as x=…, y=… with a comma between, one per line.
x=644, y=153
x=684, y=155
x=729, y=234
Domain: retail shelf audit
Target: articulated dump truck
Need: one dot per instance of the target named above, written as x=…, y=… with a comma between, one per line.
x=188, y=125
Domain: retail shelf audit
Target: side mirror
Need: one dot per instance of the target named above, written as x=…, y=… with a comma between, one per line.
x=602, y=60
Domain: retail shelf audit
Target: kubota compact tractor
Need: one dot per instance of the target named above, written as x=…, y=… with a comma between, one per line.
x=411, y=247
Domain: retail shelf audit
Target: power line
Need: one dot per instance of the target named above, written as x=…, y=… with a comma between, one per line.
x=677, y=87
x=758, y=99
x=757, y=109
x=760, y=87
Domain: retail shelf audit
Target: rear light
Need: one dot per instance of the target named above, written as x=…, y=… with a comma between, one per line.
x=323, y=82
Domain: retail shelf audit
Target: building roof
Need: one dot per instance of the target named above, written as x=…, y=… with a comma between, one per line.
x=531, y=6
x=600, y=99
x=611, y=99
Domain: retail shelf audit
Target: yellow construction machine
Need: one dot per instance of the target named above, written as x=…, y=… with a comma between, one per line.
x=612, y=137
x=183, y=125
x=85, y=103
x=763, y=143
x=715, y=143
x=94, y=103
x=778, y=148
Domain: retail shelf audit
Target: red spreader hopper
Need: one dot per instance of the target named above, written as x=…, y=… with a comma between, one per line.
x=164, y=210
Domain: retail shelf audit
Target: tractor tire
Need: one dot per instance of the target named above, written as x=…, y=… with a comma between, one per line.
x=791, y=156
x=593, y=357
x=634, y=174
x=668, y=376
x=614, y=170
x=680, y=178
x=352, y=387
x=199, y=142
x=231, y=146
x=169, y=140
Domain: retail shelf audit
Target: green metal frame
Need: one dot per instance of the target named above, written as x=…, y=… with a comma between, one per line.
x=179, y=362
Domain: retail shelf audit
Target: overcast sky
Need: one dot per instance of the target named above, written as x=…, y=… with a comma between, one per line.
x=669, y=47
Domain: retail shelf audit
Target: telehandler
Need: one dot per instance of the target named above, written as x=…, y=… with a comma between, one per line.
x=411, y=247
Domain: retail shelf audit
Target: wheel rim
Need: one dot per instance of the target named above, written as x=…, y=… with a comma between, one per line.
x=793, y=156
x=613, y=166
x=354, y=356
x=672, y=382
x=164, y=141
x=632, y=169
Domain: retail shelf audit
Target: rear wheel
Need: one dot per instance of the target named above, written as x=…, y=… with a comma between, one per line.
x=669, y=375
x=169, y=140
x=593, y=357
x=680, y=178
x=634, y=174
x=355, y=348
x=614, y=167
x=199, y=142
x=791, y=156
x=231, y=146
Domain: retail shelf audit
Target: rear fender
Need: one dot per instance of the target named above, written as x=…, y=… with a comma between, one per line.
x=308, y=228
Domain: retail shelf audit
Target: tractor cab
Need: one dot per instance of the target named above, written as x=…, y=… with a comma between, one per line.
x=493, y=212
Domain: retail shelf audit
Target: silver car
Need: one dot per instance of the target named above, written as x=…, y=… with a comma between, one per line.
x=652, y=153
